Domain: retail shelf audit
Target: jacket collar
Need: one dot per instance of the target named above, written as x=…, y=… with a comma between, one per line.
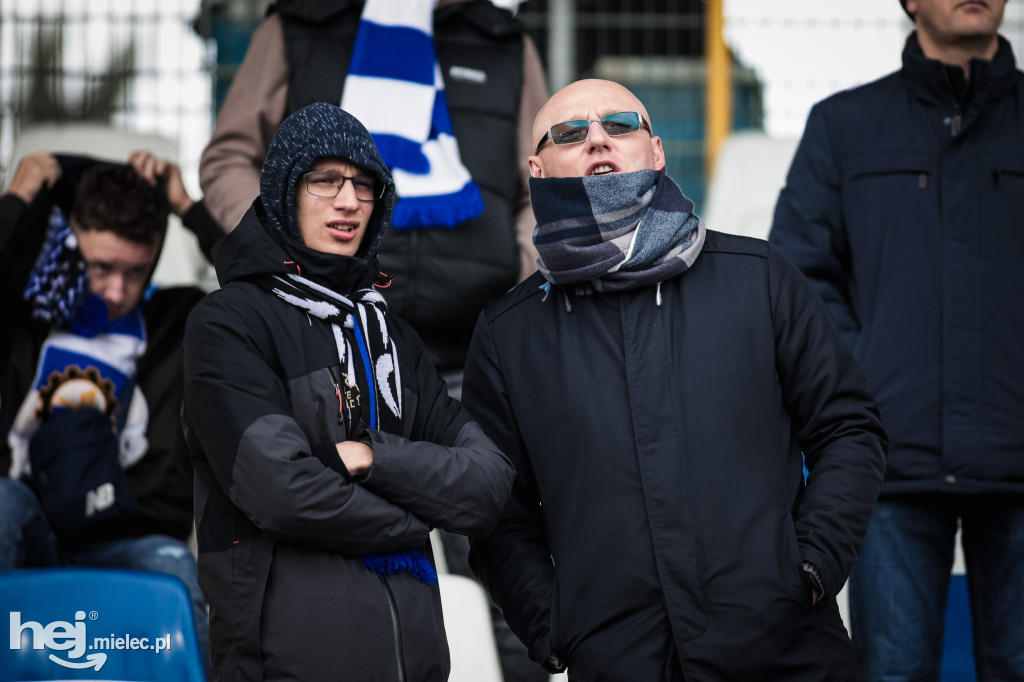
x=945, y=85
x=255, y=249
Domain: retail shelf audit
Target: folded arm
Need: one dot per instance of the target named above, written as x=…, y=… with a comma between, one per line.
x=237, y=409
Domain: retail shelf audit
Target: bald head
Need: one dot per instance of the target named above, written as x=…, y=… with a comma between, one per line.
x=591, y=99
x=582, y=96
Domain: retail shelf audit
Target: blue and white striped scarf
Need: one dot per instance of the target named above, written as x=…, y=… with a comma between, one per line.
x=395, y=88
x=58, y=285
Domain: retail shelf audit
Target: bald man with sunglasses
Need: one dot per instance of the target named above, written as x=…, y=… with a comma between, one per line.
x=657, y=385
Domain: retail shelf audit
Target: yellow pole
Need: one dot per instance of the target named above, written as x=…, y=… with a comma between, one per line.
x=717, y=84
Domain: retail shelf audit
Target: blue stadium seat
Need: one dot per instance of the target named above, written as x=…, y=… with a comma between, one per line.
x=97, y=624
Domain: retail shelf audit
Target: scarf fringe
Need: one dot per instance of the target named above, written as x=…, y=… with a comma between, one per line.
x=446, y=210
x=413, y=562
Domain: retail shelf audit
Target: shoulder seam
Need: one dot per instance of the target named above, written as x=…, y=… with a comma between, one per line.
x=512, y=299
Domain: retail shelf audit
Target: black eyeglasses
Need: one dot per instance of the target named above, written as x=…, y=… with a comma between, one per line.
x=328, y=184
x=574, y=132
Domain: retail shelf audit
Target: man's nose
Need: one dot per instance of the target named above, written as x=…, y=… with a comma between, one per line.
x=596, y=136
x=114, y=289
x=346, y=199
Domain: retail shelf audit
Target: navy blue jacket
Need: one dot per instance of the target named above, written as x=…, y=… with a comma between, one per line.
x=904, y=205
x=659, y=511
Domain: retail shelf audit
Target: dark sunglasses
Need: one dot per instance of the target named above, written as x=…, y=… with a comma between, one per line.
x=574, y=132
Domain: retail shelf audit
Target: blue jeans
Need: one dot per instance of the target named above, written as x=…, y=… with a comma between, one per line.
x=27, y=541
x=899, y=586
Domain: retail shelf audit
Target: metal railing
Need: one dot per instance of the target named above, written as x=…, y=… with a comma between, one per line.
x=137, y=66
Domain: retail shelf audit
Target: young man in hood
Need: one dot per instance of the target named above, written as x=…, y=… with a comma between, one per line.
x=656, y=385
x=325, y=444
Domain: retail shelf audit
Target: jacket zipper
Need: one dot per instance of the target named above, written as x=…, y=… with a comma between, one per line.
x=396, y=630
x=337, y=392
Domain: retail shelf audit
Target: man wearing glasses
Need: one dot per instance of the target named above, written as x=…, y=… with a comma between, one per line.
x=656, y=384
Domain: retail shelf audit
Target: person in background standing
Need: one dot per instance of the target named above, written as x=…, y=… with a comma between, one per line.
x=903, y=207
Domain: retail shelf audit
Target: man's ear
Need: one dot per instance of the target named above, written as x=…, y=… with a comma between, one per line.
x=659, y=153
x=536, y=170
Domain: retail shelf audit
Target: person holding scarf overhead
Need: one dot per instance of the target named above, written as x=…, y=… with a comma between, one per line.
x=94, y=470
x=325, y=444
x=657, y=385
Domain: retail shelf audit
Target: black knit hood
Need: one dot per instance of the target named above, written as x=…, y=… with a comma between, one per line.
x=313, y=132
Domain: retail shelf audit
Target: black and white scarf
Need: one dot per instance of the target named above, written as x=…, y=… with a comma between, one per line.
x=365, y=350
x=613, y=232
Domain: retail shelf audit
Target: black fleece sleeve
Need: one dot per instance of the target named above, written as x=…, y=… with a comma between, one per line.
x=447, y=472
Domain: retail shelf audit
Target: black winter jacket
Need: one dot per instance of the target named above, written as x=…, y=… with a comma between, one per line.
x=904, y=207
x=659, y=510
x=442, y=278
x=281, y=526
x=162, y=480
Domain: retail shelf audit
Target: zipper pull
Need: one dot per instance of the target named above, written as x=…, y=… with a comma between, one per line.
x=337, y=392
x=955, y=121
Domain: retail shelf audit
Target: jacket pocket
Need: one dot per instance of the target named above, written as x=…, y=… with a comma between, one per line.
x=897, y=165
x=874, y=184
x=890, y=204
x=1007, y=170
x=793, y=573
